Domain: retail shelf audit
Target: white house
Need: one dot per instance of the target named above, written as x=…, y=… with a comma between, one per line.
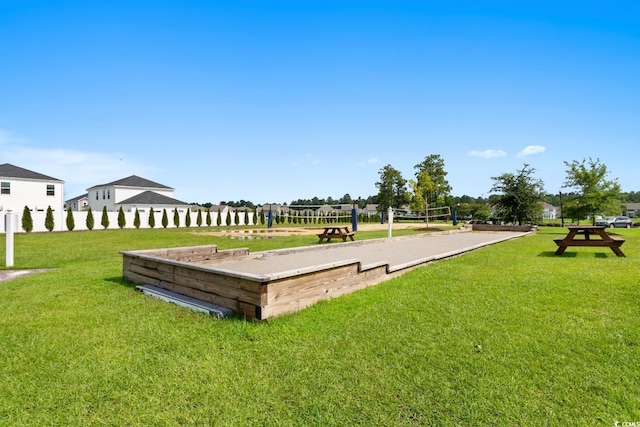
x=133, y=193
x=79, y=203
x=549, y=211
x=21, y=187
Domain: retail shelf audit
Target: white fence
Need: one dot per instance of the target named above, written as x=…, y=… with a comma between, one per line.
x=80, y=220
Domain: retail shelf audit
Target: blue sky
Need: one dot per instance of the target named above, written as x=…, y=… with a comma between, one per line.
x=271, y=101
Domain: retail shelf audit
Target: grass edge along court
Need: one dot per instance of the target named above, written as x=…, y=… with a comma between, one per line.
x=506, y=335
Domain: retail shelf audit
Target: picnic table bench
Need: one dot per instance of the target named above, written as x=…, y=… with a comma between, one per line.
x=336, y=232
x=587, y=231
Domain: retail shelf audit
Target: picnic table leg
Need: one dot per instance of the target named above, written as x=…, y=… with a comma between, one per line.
x=561, y=250
x=617, y=251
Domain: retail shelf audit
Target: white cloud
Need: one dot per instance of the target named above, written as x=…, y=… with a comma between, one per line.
x=487, y=154
x=78, y=169
x=532, y=149
x=369, y=161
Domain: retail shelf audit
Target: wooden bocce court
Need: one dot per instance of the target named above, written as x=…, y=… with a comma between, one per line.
x=271, y=283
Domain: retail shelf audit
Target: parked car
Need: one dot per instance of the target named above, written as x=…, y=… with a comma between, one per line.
x=606, y=221
x=623, y=222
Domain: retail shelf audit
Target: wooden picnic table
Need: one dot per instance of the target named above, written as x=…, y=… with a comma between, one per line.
x=605, y=240
x=336, y=232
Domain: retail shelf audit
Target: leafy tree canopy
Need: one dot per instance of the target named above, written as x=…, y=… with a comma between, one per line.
x=596, y=195
x=520, y=196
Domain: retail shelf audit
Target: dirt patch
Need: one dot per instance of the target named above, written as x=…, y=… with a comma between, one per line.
x=6, y=275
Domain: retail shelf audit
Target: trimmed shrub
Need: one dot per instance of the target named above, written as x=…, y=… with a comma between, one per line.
x=89, y=221
x=208, y=217
x=228, y=219
x=136, y=219
x=219, y=219
x=152, y=218
x=71, y=224
x=187, y=218
x=176, y=218
x=27, y=221
x=122, y=221
x=236, y=217
x=199, y=218
x=105, y=218
x=48, y=221
x=165, y=218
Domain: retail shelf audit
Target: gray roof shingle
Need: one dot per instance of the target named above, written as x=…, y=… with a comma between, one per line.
x=10, y=171
x=134, y=181
x=151, y=198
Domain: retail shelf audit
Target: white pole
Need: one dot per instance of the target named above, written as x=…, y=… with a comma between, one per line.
x=390, y=219
x=9, y=229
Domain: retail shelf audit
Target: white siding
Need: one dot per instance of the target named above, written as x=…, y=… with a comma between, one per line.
x=109, y=196
x=33, y=193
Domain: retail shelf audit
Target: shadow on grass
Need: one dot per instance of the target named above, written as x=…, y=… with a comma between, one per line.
x=552, y=254
x=119, y=280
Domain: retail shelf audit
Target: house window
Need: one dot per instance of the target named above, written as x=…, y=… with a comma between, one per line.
x=51, y=190
x=97, y=192
x=5, y=188
x=108, y=194
x=104, y=192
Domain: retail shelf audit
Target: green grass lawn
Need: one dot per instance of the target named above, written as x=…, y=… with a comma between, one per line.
x=507, y=335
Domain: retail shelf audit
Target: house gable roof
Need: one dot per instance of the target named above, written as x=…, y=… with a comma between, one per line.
x=10, y=171
x=151, y=198
x=75, y=199
x=134, y=181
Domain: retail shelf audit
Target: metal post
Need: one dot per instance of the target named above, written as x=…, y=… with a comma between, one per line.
x=9, y=226
x=354, y=218
x=561, y=210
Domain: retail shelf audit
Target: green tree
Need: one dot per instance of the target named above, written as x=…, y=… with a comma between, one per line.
x=430, y=186
x=219, y=218
x=519, y=197
x=152, y=218
x=105, y=218
x=89, y=221
x=392, y=189
x=122, y=221
x=187, y=218
x=136, y=219
x=48, y=221
x=227, y=221
x=71, y=224
x=199, y=218
x=236, y=217
x=208, y=217
x=262, y=220
x=27, y=220
x=176, y=218
x=596, y=194
x=255, y=217
x=165, y=218
x=246, y=217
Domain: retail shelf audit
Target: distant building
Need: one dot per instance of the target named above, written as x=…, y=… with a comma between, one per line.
x=133, y=193
x=549, y=211
x=21, y=187
x=632, y=210
x=79, y=203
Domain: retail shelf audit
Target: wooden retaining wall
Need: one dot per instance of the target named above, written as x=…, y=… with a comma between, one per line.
x=192, y=272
